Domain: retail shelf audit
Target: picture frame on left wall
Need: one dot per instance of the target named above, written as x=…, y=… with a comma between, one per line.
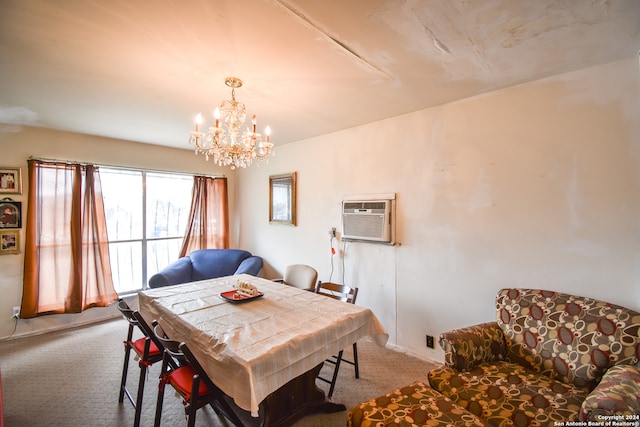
x=10, y=180
x=9, y=242
x=10, y=213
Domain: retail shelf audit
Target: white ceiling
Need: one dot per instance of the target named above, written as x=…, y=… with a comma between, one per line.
x=141, y=70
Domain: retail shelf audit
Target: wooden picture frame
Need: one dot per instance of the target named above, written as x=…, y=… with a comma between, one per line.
x=282, y=199
x=10, y=213
x=9, y=242
x=10, y=180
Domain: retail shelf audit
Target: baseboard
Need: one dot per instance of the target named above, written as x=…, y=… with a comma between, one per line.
x=58, y=322
x=412, y=354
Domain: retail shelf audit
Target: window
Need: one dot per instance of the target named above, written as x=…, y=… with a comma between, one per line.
x=147, y=215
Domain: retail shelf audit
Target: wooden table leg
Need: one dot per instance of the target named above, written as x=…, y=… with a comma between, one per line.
x=296, y=399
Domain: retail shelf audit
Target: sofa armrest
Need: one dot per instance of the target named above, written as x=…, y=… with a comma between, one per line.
x=175, y=273
x=618, y=393
x=466, y=348
x=251, y=265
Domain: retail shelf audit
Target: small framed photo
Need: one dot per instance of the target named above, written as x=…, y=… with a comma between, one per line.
x=282, y=199
x=9, y=242
x=10, y=180
x=10, y=213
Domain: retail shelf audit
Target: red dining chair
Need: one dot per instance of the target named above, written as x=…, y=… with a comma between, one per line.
x=190, y=381
x=147, y=349
x=347, y=294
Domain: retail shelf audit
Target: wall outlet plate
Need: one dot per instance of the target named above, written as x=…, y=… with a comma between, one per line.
x=430, y=342
x=16, y=312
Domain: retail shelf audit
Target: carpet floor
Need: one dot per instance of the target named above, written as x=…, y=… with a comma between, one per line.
x=71, y=378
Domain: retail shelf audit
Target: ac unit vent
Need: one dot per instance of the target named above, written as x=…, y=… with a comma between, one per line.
x=367, y=220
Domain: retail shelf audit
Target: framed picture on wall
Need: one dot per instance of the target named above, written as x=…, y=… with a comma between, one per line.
x=282, y=199
x=10, y=213
x=10, y=180
x=9, y=242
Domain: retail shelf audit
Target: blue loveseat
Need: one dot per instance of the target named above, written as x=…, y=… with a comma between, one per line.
x=207, y=264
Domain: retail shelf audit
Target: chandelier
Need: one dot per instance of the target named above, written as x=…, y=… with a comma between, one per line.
x=226, y=142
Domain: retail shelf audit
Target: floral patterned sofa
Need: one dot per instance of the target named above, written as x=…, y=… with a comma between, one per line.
x=549, y=357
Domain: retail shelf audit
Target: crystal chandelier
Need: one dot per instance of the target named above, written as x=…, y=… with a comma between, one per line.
x=226, y=142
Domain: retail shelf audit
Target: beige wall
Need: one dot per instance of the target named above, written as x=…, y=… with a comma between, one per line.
x=534, y=186
x=17, y=144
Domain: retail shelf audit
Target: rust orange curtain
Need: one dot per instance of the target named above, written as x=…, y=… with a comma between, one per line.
x=66, y=267
x=209, y=216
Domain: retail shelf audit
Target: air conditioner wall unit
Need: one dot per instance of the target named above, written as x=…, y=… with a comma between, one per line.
x=368, y=220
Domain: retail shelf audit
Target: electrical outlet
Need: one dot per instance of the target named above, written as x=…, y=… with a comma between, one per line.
x=332, y=232
x=16, y=312
x=430, y=343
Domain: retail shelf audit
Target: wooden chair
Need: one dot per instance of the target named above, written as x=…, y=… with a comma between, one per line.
x=148, y=351
x=182, y=371
x=301, y=276
x=347, y=294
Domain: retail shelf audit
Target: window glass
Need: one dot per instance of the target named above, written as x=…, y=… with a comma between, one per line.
x=143, y=237
x=126, y=266
x=161, y=253
x=122, y=195
x=168, y=203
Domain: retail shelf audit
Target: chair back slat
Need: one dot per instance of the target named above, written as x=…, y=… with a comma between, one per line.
x=126, y=311
x=171, y=347
x=337, y=291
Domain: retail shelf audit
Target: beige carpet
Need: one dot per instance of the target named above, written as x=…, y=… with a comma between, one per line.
x=71, y=379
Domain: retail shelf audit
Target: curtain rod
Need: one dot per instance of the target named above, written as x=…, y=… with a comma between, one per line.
x=124, y=167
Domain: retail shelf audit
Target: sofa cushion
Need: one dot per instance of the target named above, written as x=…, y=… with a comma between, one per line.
x=211, y=263
x=414, y=405
x=574, y=339
x=177, y=272
x=507, y=394
x=466, y=348
x=617, y=394
x=251, y=265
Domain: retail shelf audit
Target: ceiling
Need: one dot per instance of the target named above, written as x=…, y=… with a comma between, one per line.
x=142, y=70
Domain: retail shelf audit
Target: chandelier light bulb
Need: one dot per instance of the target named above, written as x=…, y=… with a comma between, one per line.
x=198, y=122
x=216, y=115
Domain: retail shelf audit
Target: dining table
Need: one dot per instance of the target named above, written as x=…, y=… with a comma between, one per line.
x=264, y=351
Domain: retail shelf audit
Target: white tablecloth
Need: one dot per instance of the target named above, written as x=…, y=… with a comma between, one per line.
x=251, y=349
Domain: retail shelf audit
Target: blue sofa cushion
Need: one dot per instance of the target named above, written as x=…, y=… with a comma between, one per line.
x=207, y=264
x=251, y=265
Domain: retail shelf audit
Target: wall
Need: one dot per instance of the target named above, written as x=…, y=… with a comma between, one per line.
x=534, y=186
x=18, y=143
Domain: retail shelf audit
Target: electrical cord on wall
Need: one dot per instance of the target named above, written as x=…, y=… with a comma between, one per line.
x=344, y=254
x=333, y=253
x=15, y=327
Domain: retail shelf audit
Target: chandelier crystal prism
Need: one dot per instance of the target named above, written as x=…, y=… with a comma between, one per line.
x=226, y=142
